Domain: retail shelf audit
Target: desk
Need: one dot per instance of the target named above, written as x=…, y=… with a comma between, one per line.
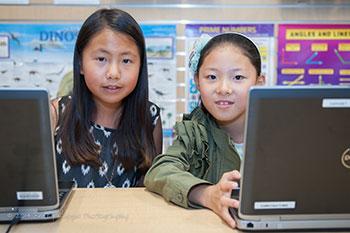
x=125, y=210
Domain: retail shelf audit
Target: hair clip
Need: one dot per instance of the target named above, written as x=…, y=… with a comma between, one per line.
x=196, y=51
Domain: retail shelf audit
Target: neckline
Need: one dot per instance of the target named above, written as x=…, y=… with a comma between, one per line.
x=100, y=127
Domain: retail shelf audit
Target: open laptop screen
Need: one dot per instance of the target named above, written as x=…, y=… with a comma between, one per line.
x=295, y=142
x=27, y=171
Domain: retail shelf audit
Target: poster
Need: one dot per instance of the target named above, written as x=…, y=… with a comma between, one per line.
x=313, y=54
x=261, y=34
x=161, y=58
x=41, y=55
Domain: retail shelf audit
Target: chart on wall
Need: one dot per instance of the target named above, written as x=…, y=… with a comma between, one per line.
x=41, y=55
x=161, y=48
x=310, y=54
x=261, y=34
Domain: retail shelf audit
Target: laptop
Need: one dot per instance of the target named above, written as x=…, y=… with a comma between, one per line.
x=28, y=178
x=296, y=161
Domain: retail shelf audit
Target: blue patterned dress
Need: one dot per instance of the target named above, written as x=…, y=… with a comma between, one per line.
x=90, y=177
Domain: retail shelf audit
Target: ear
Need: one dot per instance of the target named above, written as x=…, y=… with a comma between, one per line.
x=196, y=81
x=261, y=80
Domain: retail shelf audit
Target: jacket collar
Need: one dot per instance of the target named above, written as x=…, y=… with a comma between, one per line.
x=204, y=118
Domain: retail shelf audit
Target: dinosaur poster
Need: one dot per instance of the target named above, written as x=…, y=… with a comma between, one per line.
x=38, y=55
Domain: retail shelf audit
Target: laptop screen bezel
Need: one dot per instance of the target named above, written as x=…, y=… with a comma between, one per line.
x=282, y=92
x=46, y=182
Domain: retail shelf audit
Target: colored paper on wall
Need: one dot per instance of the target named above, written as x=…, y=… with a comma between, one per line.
x=313, y=54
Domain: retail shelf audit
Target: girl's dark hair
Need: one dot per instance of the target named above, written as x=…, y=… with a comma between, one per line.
x=247, y=47
x=134, y=138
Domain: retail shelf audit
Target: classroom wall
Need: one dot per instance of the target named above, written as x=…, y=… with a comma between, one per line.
x=183, y=12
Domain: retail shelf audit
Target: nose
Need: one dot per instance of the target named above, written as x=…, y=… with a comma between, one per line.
x=224, y=87
x=113, y=71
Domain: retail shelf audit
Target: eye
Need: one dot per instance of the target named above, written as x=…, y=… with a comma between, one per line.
x=101, y=59
x=126, y=61
x=238, y=77
x=211, y=77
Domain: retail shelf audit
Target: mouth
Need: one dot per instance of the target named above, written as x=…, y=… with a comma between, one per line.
x=111, y=88
x=224, y=104
x=221, y=102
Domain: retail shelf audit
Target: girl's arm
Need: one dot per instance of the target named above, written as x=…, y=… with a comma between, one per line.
x=174, y=173
x=169, y=175
x=217, y=197
x=158, y=136
x=54, y=114
x=158, y=143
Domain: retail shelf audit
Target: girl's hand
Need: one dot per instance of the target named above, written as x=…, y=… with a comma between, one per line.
x=218, y=197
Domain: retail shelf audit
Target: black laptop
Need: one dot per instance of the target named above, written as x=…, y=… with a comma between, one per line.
x=28, y=179
x=296, y=161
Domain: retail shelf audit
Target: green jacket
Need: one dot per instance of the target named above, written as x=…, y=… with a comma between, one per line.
x=201, y=154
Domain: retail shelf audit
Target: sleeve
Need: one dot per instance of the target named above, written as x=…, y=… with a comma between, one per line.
x=155, y=112
x=62, y=103
x=170, y=174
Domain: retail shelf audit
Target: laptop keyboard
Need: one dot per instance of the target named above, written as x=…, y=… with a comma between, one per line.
x=235, y=194
x=61, y=194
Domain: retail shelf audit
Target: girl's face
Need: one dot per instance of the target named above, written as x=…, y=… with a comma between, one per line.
x=223, y=81
x=110, y=64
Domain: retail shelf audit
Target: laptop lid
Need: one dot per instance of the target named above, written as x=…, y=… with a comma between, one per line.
x=296, y=163
x=27, y=169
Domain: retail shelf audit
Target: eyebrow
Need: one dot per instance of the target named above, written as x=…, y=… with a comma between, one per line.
x=129, y=53
x=215, y=69
x=123, y=53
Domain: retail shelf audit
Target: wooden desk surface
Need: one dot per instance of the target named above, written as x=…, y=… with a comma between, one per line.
x=125, y=210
